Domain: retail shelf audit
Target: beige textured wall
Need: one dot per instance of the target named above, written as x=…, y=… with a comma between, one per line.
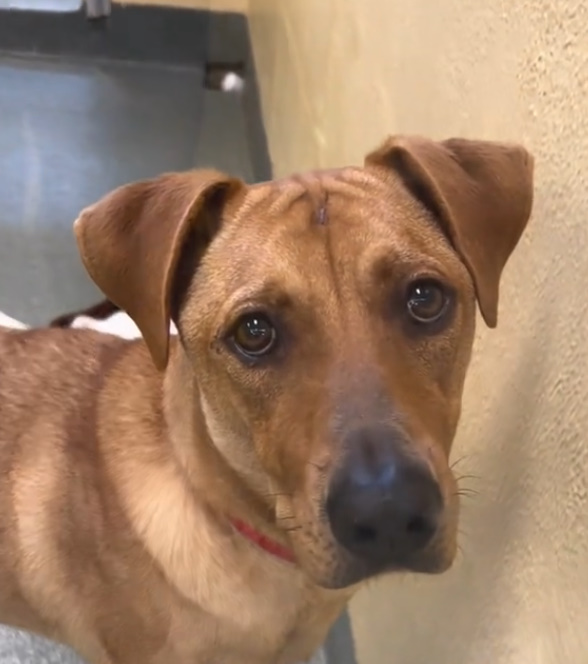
x=336, y=76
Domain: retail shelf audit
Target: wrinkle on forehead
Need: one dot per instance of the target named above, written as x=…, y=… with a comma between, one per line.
x=278, y=197
x=320, y=231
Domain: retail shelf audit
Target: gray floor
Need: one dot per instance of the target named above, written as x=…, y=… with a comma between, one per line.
x=69, y=132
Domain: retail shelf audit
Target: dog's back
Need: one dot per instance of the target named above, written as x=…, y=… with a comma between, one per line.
x=50, y=381
x=44, y=374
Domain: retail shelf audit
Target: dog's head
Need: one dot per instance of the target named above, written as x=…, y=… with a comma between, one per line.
x=329, y=320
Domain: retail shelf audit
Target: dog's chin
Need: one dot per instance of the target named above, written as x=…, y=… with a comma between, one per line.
x=349, y=572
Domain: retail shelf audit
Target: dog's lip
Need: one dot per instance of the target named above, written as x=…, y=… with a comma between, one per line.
x=263, y=542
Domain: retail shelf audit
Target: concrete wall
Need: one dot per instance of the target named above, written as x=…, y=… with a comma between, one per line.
x=336, y=76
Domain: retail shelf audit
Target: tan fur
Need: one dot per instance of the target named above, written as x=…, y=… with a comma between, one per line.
x=122, y=462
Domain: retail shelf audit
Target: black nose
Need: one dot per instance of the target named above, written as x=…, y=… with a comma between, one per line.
x=384, y=505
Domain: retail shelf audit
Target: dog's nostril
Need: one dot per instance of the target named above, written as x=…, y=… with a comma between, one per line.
x=365, y=534
x=417, y=525
x=385, y=509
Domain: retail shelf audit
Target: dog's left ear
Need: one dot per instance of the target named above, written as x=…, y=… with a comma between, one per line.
x=481, y=192
x=133, y=240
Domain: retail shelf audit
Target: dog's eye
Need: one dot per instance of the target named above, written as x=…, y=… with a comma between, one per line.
x=427, y=301
x=254, y=335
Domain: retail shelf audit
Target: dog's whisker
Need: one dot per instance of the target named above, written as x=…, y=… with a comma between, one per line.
x=467, y=477
x=456, y=463
x=469, y=489
x=460, y=552
x=464, y=491
x=465, y=495
x=462, y=533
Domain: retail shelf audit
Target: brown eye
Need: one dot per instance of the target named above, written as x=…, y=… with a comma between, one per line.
x=427, y=301
x=254, y=335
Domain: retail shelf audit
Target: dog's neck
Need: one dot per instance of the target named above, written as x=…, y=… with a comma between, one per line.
x=240, y=497
x=190, y=528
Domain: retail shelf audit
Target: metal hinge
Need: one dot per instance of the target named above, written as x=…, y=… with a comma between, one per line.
x=98, y=8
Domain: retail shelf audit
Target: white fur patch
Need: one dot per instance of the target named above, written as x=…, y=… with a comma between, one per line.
x=119, y=324
x=6, y=321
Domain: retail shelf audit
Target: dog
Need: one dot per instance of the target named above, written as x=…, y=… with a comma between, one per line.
x=217, y=496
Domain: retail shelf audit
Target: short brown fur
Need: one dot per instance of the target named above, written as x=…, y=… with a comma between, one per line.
x=122, y=463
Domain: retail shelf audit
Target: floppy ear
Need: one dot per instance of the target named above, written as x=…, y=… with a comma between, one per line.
x=132, y=240
x=481, y=192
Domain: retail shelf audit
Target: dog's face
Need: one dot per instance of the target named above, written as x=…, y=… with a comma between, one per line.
x=329, y=320
x=330, y=325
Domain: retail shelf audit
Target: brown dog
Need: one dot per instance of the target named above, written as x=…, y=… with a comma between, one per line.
x=218, y=498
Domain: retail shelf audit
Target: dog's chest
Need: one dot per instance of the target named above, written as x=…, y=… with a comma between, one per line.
x=277, y=621
x=227, y=595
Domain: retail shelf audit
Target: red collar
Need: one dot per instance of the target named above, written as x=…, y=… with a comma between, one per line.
x=263, y=542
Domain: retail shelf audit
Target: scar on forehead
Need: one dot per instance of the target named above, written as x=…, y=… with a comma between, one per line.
x=318, y=196
x=322, y=212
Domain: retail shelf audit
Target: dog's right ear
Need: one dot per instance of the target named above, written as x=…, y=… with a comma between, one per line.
x=131, y=242
x=481, y=192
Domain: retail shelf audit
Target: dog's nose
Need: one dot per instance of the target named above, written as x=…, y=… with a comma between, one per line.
x=384, y=505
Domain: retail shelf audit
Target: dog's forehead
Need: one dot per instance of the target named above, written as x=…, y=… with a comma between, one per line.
x=316, y=188
x=325, y=226
x=347, y=208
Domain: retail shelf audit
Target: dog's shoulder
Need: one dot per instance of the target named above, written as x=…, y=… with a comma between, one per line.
x=41, y=350
x=58, y=365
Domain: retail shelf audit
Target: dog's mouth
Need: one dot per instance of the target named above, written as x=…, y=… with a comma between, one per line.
x=338, y=559
x=349, y=570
